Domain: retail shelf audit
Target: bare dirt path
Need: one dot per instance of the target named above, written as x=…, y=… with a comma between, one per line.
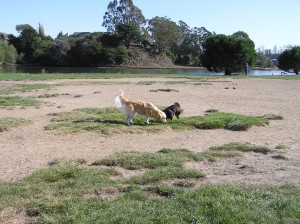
x=28, y=148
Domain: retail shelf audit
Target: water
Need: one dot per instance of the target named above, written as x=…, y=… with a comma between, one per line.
x=188, y=71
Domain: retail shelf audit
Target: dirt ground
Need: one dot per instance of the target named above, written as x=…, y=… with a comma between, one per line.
x=27, y=148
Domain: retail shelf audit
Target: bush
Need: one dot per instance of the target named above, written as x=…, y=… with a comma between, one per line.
x=8, y=52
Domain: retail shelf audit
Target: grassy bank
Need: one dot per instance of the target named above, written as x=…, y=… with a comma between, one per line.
x=51, y=76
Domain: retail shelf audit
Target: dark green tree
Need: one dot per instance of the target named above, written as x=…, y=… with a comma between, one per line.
x=228, y=53
x=241, y=34
x=57, y=53
x=164, y=33
x=290, y=59
x=123, y=12
x=31, y=45
x=41, y=45
x=128, y=34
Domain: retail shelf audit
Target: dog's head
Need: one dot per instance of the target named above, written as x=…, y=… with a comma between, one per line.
x=177, y=104
x=161, y=116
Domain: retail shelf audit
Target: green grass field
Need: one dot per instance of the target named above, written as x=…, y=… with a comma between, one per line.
x=49, y=76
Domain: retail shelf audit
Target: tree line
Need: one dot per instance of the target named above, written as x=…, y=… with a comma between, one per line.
x=128, y=29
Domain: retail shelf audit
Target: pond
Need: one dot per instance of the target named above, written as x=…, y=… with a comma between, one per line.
x=187, y=70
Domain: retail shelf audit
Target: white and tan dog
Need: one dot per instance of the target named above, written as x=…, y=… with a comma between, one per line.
x=131, y=107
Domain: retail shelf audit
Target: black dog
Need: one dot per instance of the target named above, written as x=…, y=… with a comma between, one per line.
x=173, y=110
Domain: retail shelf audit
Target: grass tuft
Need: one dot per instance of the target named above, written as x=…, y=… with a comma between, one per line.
x=241, y=147
x=17, y=101
x=139, y=160
x=8, y=122
x=229, y=121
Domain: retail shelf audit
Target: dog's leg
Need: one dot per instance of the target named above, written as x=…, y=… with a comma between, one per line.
x=147, y=120
x=129, y=118
x=128, y=121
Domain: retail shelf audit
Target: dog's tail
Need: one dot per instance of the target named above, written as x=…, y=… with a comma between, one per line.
x=118, y=101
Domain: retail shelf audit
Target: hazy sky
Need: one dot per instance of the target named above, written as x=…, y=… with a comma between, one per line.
x=267, y=22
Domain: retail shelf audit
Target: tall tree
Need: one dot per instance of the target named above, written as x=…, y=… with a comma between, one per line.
x=123, y=12
x=41, y=30
x=228, y=53
x=24, y=43
x=189, y=49
x=290, y=59
x=164, y=33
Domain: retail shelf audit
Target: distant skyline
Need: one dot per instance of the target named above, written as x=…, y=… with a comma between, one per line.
x=267, y=22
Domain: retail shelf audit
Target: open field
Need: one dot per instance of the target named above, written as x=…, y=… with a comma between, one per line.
x=35, y=144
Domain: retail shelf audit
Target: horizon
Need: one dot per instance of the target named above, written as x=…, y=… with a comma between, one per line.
x=268, y=23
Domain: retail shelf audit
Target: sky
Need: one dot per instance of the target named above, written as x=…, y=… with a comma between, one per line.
x=268, y=23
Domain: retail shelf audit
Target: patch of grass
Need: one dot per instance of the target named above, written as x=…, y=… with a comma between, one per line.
x=272, y=117
x=234, y=122
x=65, y=161
x=24, y=88
x=147, y=83
x=8, y=122
x=139, y=160
x=241, y=147
x=280, y=146
x=17, y=101
x=164, y=90
x=165, y=173
x=280, y=157
x=110, y=121
x=47, y=95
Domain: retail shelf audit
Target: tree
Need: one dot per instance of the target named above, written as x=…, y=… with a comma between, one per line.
x=123, y=12
x=41, y=30
x=241, y=34
x=128, y=34
x=57, y=53
x=228, y=53
x=8, y=52
x=290, y=59
x=24, y=43
x=189, y=48
x=164, y=33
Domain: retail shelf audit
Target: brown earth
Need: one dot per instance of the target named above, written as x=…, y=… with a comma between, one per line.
x=28, y=148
